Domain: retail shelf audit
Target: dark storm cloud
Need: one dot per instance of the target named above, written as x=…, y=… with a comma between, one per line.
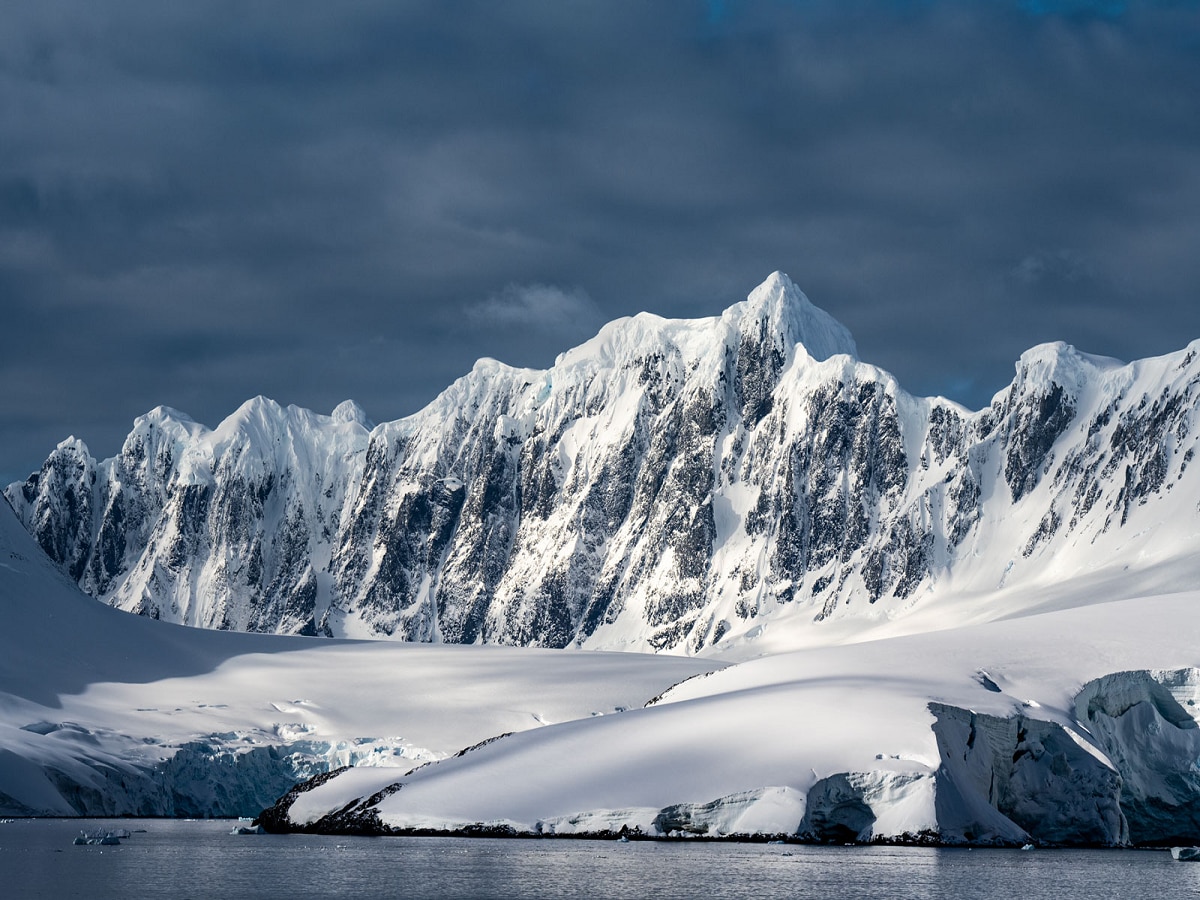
x=202, y=202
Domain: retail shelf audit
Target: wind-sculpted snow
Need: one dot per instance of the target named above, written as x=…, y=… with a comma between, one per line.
x=725, y=485
x=1051, y=729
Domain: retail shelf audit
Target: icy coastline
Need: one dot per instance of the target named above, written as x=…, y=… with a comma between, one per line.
x=1066, y=736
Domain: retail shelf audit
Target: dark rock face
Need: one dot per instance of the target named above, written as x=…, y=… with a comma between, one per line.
x=1035, y=424
x=667, y=485
x=61, y=494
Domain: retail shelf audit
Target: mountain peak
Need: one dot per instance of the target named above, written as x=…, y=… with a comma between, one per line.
x=348, y=412
x=74, y=445
x=780, y=308
x=162, y=414
x=1060, y=363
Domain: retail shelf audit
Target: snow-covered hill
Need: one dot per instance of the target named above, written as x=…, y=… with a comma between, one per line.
x=105, y=713
x=732, y=485
x=1076, y=727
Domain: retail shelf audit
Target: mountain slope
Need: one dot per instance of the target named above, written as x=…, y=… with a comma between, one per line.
x=105, y=713
x=724, y=485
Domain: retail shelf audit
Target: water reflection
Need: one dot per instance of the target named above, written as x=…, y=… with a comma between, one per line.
x=179, y=859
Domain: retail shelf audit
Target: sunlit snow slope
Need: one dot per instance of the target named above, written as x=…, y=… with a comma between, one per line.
x=1071, y=727
x=105, y=713
x=732, y=485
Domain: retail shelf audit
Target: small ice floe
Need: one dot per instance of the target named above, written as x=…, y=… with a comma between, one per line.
x=105, y=838
x=622, y=840
x=248, y=829
x=1027, y=846
x=1185, y=854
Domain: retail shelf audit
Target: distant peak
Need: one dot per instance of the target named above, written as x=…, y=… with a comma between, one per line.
x=1060, y=362
x=488, y=365
x=166, y=413
x=780, y=307
x=775, y=282
x=256, y=412
x=348, y=412
x=74, y=445
x=260, y=402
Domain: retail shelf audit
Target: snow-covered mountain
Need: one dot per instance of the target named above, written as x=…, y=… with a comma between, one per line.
x=1005, y=660
x=736, y=484
x=1075, y=726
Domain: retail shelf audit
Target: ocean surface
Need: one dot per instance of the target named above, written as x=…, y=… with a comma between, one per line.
x=201, y=859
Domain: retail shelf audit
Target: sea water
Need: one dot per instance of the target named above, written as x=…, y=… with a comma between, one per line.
x=201, y=859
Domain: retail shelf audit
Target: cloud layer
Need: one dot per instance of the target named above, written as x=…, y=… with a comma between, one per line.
x=201, y=202
x=538, y=307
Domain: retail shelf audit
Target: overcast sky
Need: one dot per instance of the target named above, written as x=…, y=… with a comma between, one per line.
x=205, y=201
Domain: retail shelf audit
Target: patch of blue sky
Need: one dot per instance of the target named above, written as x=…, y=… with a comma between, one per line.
x=719, y=11
x=1105, y=9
